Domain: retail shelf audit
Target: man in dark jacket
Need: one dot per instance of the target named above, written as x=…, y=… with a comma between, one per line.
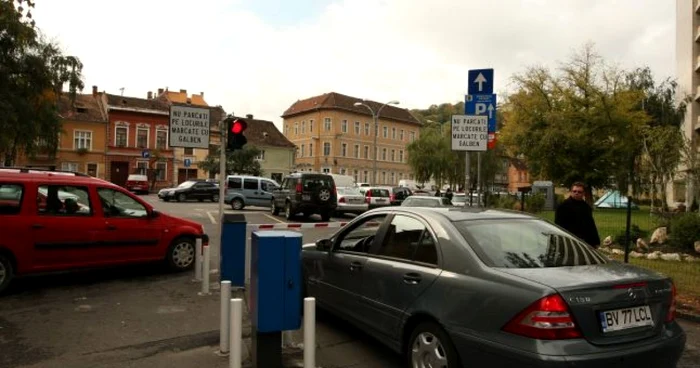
x=576, y=216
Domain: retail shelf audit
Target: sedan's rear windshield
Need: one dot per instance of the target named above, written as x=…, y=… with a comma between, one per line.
x=315, y=182
x=526, y=244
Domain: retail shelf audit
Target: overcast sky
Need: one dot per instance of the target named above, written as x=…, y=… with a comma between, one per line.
x=260, y=56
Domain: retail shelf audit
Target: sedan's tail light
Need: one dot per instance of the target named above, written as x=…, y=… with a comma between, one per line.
x=342, y=200
x=671, y=315
x=546, y=319
x=298, y=188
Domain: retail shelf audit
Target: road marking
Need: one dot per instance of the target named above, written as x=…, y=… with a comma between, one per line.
x=211, y=217
x=274, y=218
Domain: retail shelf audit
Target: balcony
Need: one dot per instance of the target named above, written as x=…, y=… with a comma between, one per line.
x=697, y=94
x=697, y=65
x=697, y=7
x=697, y=35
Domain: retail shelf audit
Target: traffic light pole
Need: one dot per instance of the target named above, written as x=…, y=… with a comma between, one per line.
x=222, y=172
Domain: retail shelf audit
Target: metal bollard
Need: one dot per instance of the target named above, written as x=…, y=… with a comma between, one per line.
x=198, y=260
x=224, y=331
x=205, y=272
x=309, y=333
x=236, y=333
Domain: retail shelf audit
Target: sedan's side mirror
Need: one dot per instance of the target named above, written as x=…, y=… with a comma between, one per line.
x=154, y=213
x=323, y=245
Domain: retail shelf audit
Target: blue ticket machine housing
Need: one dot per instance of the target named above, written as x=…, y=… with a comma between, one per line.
x=275, y=293
x=232, y=251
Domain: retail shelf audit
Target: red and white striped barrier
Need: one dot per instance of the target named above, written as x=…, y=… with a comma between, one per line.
x=296, y=225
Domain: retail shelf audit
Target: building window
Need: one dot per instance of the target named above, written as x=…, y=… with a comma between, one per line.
x=393, y=133
x=303, y=127
x=142, y=167
x=311, y=125
x=82, y=139
x=261, y=155
x=161, y=170
x=161, y=139
x=385, y=131
x=302, y=153
x=367, y=152
x=365, y=176
x=401, y=135
x=121, y=135
x=326, y=149
x=342, y=171
x=189, y=151
x=344, y=149
x=383, y=154
x=344, y=126
x=400, y=176
x=92, y=170
x=296, y=128
x=400, y=155
x=366, y=128
x=393, y=179
x=411, y=136
x=393, y=156
x=355, y=175
x=311, y=150
x=357, y=128
x=327, y=124
x=326, y=170
x=384, y=177
x=69, y=166
x=356, y=151
x=142, y=138
x=286, y=129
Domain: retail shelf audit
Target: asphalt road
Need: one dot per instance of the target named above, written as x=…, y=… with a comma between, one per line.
x=143, y=316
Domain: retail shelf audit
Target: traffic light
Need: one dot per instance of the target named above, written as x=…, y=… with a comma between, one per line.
x=236, y=140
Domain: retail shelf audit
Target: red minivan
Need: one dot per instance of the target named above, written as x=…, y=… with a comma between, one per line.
x=56, y=221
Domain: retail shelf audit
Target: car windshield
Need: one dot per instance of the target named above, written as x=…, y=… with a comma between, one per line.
x=314, y=182
x=349, y=191
x=526, y=244
x=459, y=199
x=186, y=184
x=422, y=202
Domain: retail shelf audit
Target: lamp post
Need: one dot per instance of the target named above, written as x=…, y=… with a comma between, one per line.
x=375, y=116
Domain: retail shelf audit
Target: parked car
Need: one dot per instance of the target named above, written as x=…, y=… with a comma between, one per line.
x=351, y=200
x=137, y=184
x=244, y=191
x=398, y=194
x=191, y=189
x=426, y=201
x=376, y=196
x=307, y=193
x=66, y=222
x=456, y=287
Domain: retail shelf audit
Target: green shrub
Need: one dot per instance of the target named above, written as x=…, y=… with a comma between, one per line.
x=635, y=233
x=534, y=203
x=506, y=201
x=684, y=230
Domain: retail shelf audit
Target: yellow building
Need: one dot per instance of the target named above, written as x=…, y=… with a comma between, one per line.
x=334, y=135
x=82, y=143
x=193, y=155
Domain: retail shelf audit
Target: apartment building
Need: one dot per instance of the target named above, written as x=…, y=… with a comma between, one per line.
x=333, y=135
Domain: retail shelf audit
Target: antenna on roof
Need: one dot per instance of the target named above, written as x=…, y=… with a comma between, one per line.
x=122, y=89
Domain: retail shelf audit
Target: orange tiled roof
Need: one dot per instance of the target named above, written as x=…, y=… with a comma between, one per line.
x=86, y=107
x=181, y=97
x=337, y=101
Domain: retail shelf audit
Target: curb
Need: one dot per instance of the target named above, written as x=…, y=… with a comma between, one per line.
x=688, y=316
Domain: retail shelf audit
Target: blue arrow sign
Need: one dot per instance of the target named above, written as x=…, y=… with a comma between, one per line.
x=482, y=105
x=188, y=162
x=146, y=153
x=481, y=82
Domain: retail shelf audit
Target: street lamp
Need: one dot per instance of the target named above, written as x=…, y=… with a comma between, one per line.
x=375, y=116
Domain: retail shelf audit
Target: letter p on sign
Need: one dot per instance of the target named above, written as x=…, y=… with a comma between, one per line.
x=480, y=109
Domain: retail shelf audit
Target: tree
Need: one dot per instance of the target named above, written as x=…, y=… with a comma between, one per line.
x=239, y=162
x=33, y=73
x=580, y=124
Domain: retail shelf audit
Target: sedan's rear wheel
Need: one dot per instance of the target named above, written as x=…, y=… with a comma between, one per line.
x=431, y=347
x=6, y=272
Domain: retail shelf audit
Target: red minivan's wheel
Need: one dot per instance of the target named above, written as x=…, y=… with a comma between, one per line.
x=181, y=254
x=6, y=272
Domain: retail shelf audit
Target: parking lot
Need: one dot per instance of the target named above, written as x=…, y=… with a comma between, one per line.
x=142, y=316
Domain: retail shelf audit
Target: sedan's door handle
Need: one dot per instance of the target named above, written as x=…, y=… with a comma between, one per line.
x=355, y=266
x=411, y=278
x=37, y=226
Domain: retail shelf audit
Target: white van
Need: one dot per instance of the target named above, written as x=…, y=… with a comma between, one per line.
x=343, y=181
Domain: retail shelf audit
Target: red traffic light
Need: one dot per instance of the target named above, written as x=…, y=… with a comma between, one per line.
x=238, y=127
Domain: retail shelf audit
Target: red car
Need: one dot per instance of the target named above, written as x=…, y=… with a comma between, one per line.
x=54, y=221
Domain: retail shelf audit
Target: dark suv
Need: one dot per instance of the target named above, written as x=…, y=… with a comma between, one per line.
x=306, y=193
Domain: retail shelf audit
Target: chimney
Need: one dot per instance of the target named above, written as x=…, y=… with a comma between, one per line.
x=150, y=95
x=183, y=91
x=249, y=116
x=94, y=90
x=201, y=94
x=160, y=91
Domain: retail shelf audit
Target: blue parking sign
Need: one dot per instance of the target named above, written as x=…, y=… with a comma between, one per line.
x=482, y=105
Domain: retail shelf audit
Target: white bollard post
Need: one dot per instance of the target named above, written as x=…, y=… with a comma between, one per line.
x=198, y=260
x=205, y=272
x=225, y=324
x=236, y=333
x=309, y=333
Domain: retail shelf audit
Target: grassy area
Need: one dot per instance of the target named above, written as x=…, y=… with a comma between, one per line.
x=611, y=222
